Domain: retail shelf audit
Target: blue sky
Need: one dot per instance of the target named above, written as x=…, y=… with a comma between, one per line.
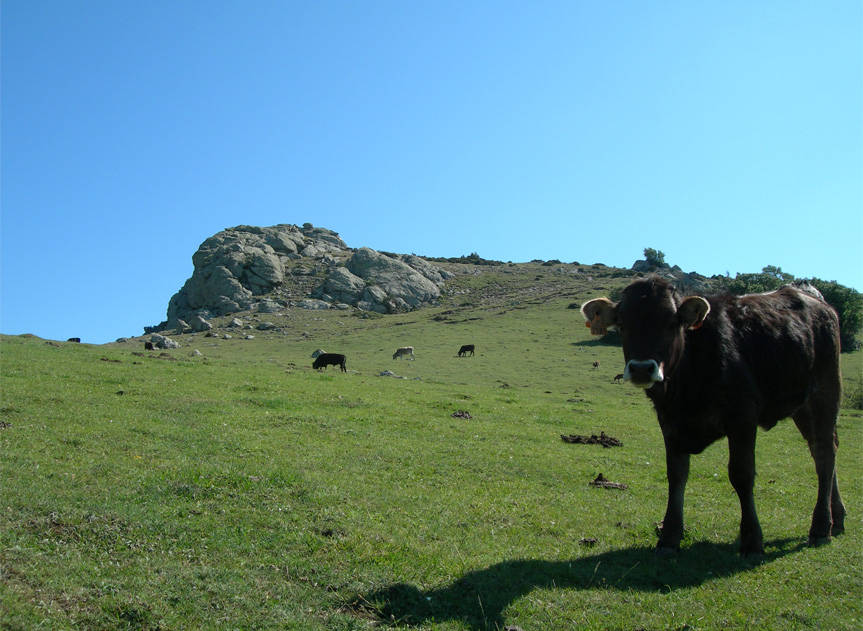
x=728, y=135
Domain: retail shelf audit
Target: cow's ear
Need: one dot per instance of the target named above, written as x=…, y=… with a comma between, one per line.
x=600, y=314
x=692, y=312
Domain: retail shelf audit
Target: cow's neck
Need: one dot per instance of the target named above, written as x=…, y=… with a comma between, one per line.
x=669, y=392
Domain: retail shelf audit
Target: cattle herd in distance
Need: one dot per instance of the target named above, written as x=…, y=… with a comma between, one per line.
x=322, y=359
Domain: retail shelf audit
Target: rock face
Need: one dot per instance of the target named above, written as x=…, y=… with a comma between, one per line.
x=373, y=281
x=689, y=283
x=160, y=341
x=238, y=264
x=248, y=268
x=342, y=285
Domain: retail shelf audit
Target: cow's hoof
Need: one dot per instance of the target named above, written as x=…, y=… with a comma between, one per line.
x=752, y=547
x=754, y=552
x=815, y=542
x=666, y=551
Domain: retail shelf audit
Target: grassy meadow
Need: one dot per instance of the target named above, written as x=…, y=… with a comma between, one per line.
x=240, y=489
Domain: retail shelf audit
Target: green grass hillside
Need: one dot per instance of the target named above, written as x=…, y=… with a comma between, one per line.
x=240, y=489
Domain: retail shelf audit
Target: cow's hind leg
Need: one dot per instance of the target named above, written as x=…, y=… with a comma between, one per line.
x=837, y=508
x=817, y=423
x=741, y=473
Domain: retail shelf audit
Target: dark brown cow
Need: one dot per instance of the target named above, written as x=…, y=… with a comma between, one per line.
x=329, y=359
x=722, y=366
x=464, y=350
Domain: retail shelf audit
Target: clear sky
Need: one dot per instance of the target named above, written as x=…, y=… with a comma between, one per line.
x=729, y=135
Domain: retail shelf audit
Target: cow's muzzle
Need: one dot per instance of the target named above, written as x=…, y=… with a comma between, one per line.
x=643, y=373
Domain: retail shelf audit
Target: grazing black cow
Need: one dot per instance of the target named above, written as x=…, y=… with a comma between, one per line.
x=329, y=359
x=722, y=366
x=77, y=340
x=595, y=365
x=148, y=346
x=464, y=350
x=617, y=378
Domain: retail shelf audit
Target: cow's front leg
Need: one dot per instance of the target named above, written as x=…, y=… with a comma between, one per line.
x=741, y=472
x=677, y=471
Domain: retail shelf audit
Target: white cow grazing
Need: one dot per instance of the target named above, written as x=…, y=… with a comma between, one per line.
x=404, y=351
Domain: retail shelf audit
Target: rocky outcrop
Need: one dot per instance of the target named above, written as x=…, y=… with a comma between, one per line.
x=342, y=285
x=379, y=282
x=692, y=283
x=237, y=267
x=642, y=266
x=270, y=269
x=199, y=324
x=688, y=283
x=160, y=341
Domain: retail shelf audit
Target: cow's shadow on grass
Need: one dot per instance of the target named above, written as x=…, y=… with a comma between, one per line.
x=611, y=338
x=479, y=598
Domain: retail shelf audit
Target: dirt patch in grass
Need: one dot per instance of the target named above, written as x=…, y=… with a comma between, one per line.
x=603, y=439
x=600, y=481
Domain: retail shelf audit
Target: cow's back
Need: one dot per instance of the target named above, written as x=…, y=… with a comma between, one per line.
x=779, y=346
x=329, y=359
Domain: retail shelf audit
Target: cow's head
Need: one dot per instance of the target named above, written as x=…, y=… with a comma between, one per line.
x=652, y=320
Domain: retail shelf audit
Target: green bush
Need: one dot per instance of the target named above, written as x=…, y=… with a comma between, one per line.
x=656, y=258
x=848, y=303
x=471, y=259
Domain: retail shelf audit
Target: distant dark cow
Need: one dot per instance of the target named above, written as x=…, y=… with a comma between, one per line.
x=617, y=378
x=329, y=359
x=464, y=350
x=404, y=351
x=722, y=366
x=77, y=340
x=148, y=346
x=595, y=365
